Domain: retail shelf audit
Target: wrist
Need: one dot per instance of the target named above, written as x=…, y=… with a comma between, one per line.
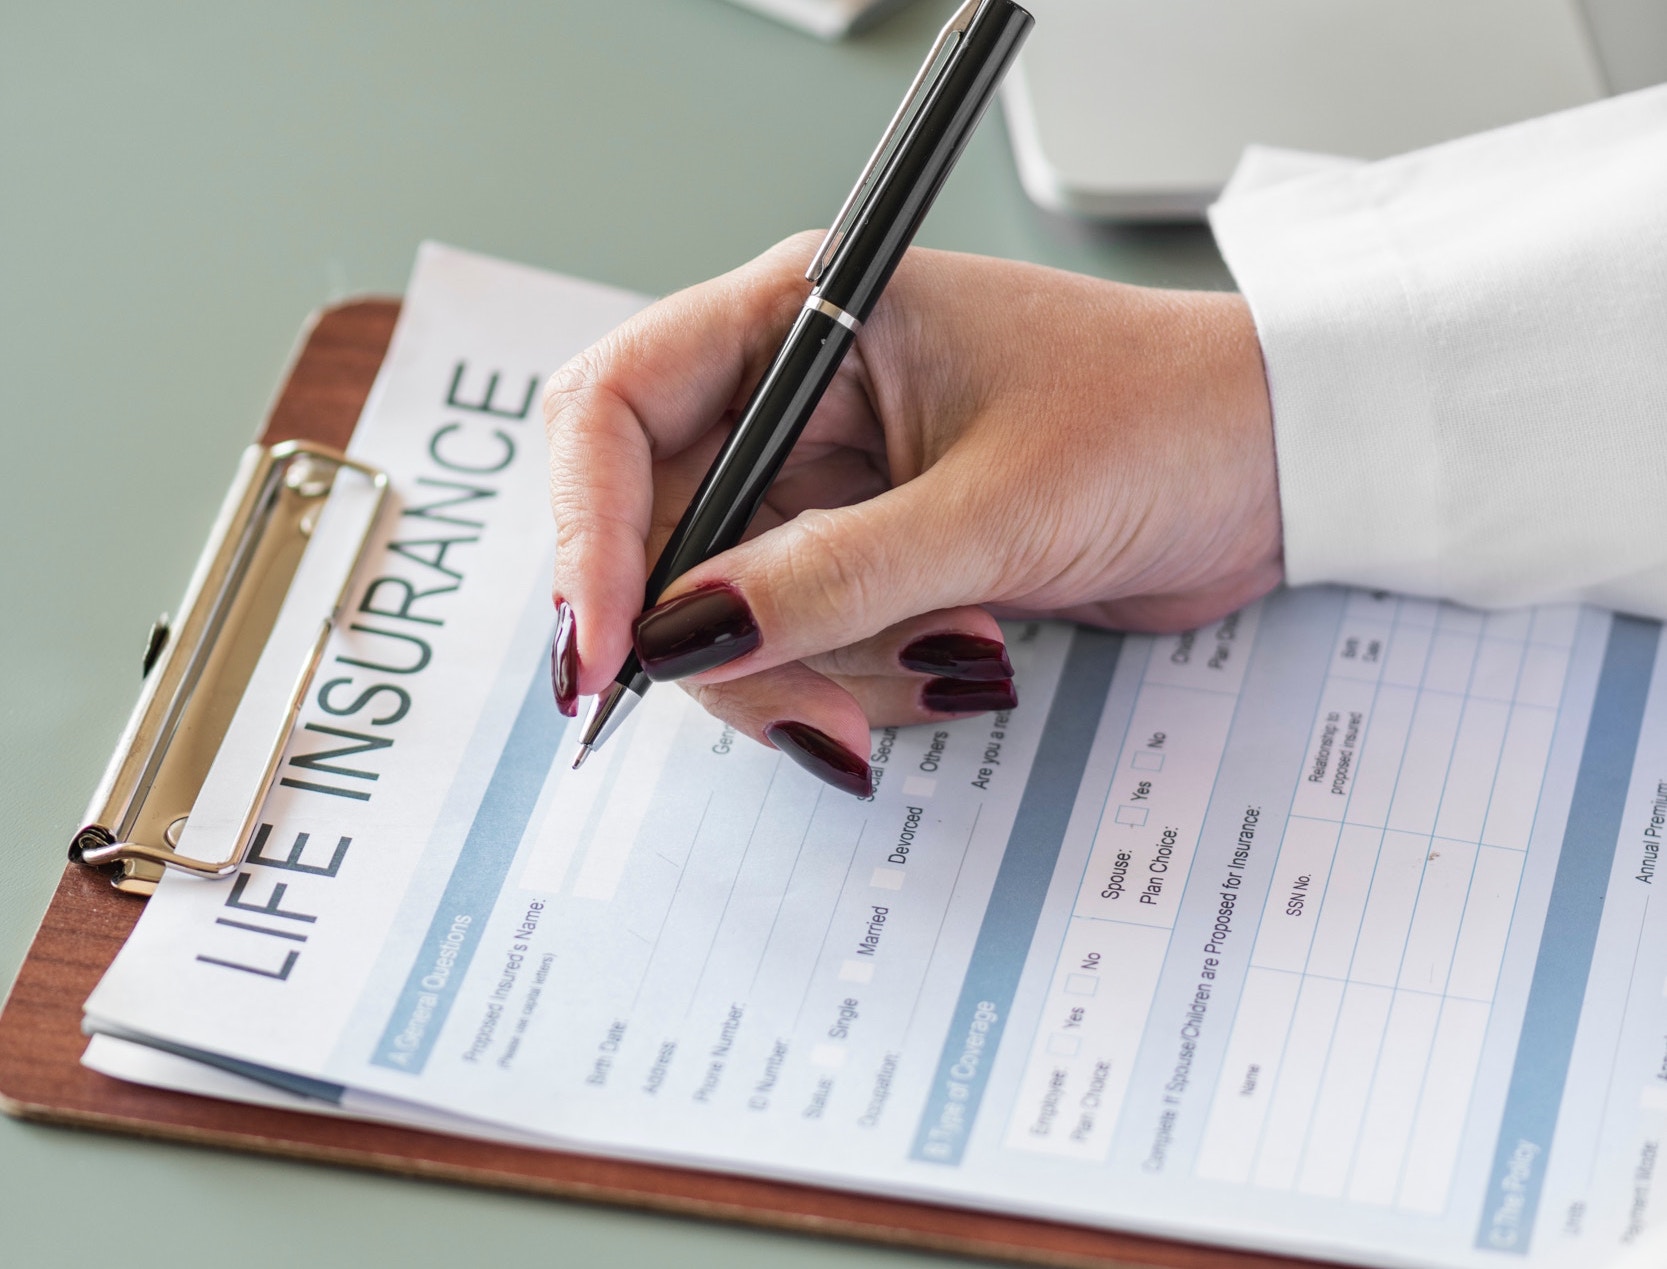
x=1246, y=413
x=1210, y=539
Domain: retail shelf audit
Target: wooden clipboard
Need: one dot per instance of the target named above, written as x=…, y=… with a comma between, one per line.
x=42, y=1079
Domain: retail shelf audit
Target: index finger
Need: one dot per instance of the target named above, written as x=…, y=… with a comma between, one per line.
x=650, y=389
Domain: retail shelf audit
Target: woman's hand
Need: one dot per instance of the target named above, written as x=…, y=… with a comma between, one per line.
x=1001, y=435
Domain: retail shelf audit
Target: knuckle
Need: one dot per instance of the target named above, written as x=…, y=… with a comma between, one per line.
x=799, y=245
x=829, y=573
x=566, y=392
x=848, y=660
x=707, y=696
x=575, y=537
x=583, y=419
x=587, y=532
x=574, y=374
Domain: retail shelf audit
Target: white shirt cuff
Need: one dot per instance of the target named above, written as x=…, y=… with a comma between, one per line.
x=1464, y=354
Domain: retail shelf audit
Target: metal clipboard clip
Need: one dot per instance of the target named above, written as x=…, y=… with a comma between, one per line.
x=196, y=668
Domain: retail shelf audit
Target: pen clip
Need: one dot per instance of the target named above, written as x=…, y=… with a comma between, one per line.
x=855, y=201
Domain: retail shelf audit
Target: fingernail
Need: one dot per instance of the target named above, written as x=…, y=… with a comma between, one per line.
x=822, y=756
x=694, y=632
x=958, y=656
x=959, y=696
x=564, y=660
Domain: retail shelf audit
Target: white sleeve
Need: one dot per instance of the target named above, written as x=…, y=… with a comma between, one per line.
x=1466, y=350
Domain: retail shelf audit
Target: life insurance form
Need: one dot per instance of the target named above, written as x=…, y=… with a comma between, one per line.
x=1328, y=928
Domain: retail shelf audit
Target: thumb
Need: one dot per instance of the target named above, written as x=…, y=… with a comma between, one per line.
x=825, y=579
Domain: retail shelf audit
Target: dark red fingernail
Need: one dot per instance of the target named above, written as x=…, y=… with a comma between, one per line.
x=564, y=660
x=961, y=696
x=694, y=632
x=958, y=656
x=822, y=756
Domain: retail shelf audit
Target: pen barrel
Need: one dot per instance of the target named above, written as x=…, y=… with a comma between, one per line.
x=775, y=414
x=903, y=191
x=923, y=157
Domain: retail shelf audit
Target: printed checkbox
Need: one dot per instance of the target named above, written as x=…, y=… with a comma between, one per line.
x=856, y=972
x=830, y=1056
x=1146, y=760
x=1064, y=1045
x=916, y=786
x=887, y=879
x=1133, y=816
x=1081, y=984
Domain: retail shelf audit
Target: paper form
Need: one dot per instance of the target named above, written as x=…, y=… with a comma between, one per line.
x=1325, y=928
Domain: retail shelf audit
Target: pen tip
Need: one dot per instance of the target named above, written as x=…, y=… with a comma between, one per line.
x=579, y=758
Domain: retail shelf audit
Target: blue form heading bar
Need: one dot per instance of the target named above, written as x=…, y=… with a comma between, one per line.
x=1564, y=963
x=476, y=879
x=1015, y=906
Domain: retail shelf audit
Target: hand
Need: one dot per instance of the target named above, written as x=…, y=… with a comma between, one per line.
x=1000, y=435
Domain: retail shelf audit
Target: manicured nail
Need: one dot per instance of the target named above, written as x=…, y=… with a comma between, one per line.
x=564, y=660
x=822, y=756
x=958, y=656
x=959, y=696
x=694, y=632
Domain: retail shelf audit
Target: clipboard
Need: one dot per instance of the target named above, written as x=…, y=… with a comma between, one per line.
x=94, y=909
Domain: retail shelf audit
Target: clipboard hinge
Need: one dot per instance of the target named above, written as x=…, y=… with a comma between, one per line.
x=196, y=667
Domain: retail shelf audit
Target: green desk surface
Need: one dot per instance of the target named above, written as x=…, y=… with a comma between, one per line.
x=180, y=185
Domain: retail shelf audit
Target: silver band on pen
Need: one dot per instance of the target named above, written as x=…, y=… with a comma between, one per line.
x=816, y=304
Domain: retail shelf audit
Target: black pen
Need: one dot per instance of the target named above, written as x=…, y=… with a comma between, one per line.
x=850, y=269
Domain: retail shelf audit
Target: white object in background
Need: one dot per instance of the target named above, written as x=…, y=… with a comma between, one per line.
x=1139, y=108
x=830, y=19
